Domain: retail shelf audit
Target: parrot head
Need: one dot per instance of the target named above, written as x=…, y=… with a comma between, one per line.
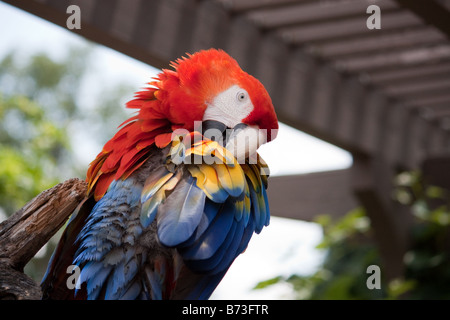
x=206, y=89
x=210, y=88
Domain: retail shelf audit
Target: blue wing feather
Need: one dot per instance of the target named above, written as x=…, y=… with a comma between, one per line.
x=209, y=213
x=225, y=254
x=205, y=287
x=213, y=237
x=133, y=291
x=266, y=207
x=180, y=215
x=230, y=252
x=209, y=265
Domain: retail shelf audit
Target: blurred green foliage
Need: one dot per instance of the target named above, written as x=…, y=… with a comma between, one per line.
x=342, y=275
x=30, y=148
x=428, y=262
x=34, y=145
x=350, y=250
x=41, y=111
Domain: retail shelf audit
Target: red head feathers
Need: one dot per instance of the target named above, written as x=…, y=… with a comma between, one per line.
x=176, y=99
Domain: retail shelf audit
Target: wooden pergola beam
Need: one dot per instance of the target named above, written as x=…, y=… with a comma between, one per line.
x=372, y=182
x=372, y=43
x=410, y=74
x=431, y=11
x=305, y=196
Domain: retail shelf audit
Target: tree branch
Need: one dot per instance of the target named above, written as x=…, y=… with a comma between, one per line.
x=26, y=231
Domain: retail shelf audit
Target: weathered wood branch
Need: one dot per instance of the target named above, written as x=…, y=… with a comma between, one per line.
x=26, y=231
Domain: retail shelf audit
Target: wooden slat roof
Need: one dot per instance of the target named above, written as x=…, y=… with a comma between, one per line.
x=408, y=59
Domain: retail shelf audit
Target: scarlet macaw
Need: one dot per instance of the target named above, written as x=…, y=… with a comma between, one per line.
x=159, y=220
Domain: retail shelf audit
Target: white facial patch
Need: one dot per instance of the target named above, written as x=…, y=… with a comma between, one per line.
x=229, y=107
x=245, y=142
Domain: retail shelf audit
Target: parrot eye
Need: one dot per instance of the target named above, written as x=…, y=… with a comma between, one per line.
x=241, y=96
x=229, y=107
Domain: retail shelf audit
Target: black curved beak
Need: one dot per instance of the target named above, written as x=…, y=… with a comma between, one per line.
x=217, y=131
x=212, y=128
